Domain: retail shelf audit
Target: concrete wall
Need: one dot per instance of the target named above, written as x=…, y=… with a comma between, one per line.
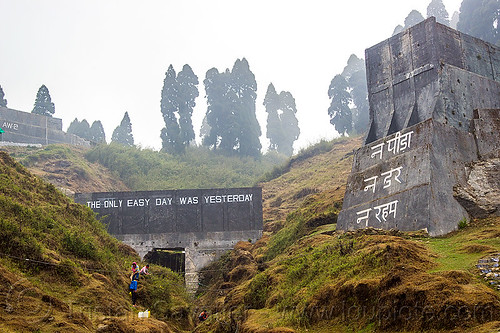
x=429, y=71
x=201, y=248
x=205, y=223
x=25, y=127
x=434, y=97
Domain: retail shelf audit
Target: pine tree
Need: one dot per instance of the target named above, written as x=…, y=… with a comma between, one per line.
x=289, y=123
x=97, y=134
x=187, y=93
x=359, y=93
x=454, y=20
x=413, y=18
x=339, y=111
x=354, y=64
x=74, y=127
x=169, y=106
x=399, y=28
x=43, y=103
x=81, y=129
x=480, y=19
x=123, y=133
x=282, y=124
x=245, y=90
x=230, y=115
x=437, y=9
x=274, y=130
x=177, y=103
x=3, y=101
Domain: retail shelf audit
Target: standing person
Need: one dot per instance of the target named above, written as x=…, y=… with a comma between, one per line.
x=134, y=267
x=134, y=278
x=145, y=270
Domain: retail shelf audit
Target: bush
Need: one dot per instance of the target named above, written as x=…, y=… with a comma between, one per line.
x=462, y=223
x=256, y=295
x=79, y=244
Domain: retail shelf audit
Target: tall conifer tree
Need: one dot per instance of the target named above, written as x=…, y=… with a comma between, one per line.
x=177, y=103
x=230, y=115
x=123, y=133
x=3, y=101
x=437, y=9
x=339, y=111
x=43, y=103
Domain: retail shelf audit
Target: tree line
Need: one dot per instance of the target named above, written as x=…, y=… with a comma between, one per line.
x=230, y=124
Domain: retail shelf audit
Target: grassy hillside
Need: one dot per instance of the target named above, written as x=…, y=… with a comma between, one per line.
x=303, y=276
x=144, y=169
x=115, y=167
x=61, y=271
x=66, y=167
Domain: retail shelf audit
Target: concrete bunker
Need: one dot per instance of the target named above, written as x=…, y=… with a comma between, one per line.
x=434, y=96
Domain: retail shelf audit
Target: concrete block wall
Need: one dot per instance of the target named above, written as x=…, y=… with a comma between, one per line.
x=434, y=96
x=201, y=248
x=25, y=127
x=429, y=71
x=204, y=222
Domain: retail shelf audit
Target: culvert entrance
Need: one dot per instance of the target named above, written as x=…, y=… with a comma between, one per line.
x=173, y=258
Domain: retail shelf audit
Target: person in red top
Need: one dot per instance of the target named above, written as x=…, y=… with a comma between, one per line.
x=203, y=316
x=145, y=270
x=134, y=267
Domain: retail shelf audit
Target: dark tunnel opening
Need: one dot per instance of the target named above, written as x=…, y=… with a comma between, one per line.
x=173, y=258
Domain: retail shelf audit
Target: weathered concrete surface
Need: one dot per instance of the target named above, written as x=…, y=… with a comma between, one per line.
x=410, y=189
x=430, y=71
x=486, y=128
x=205, y=223
x=25, y=127
x=201, y=248
x=434, y=97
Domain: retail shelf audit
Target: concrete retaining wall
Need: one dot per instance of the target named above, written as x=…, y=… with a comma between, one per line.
x=434, y=97
x=24, y=127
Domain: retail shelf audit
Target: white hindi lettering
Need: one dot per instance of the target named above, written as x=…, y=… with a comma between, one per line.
x=379, y=152
x=399, y=143
x=386, y=210
x=364, y=217
x=388, y=178
x=372, y=186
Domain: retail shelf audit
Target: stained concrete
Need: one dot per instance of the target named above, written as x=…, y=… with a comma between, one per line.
x=434, y=98
x=204, y=222
x=28, y=128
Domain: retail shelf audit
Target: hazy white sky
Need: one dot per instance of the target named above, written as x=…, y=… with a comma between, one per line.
x=100, y=58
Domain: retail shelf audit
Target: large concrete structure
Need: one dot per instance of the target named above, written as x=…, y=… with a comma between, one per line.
x=202, y=223
x=434, y=96
x=29, y=128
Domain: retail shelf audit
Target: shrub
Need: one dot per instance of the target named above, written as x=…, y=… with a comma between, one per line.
x=256, y=295
x=79, y=244
x=462, y=223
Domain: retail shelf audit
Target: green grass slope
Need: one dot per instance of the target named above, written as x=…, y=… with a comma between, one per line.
x=61, y=271
x=198, y=167
x=66, y=167
x=303, y=276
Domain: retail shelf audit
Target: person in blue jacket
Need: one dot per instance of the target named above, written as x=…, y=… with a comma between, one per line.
x=134, y=278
